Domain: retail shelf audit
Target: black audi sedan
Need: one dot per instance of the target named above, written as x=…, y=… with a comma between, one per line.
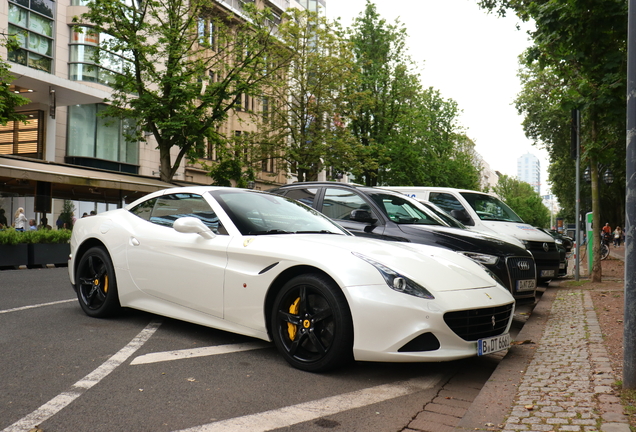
x=387, y=215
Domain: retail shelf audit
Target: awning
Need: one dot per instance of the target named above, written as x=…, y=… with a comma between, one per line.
x=19, y=176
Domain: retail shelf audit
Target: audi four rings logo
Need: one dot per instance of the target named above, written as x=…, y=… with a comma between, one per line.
x=524, y=265
x=545, y=247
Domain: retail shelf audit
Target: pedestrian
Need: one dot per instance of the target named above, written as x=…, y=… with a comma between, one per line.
x=44, y=224
x=32, y=225
x=3, y=219
x=59, y=222
x=20, y=222
x=84, y=215
x=618, y=235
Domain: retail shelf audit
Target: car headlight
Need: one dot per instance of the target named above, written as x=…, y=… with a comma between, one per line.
x=484, y=259
x=396, y=281
x=558, y=241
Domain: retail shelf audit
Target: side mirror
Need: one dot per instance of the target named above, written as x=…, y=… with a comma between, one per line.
x=462, y=216
x=362, y=216
x=193, y=225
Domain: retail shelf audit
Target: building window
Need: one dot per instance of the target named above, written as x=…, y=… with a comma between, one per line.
x=32, y=23
x=92, y=136
x=89, y=62
x=23, y=139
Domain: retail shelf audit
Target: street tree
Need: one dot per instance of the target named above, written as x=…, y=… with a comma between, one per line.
x=183, y=66
x=584, y=45
x=524, y=200
x=431, y=148
x=303, y=121
x=382, y=94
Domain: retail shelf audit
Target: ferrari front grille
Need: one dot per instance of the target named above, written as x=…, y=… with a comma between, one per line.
x=475, y=324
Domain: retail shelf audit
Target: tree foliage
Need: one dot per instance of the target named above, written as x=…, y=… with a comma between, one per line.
x=9, y=100
x=383, y=92
x=431, y=148
x=187, y=66
x=409, y=135
x=524, y=200
x=579, y=49
x=304, y=123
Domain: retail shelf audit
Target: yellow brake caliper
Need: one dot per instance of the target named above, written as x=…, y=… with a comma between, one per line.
x=291, y=328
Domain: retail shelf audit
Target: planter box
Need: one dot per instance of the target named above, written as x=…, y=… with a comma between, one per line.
x=14, y=255
x=41, y=254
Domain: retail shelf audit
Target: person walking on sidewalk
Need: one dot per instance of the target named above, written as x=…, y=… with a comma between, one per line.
x=21, y=221
x=618, y=235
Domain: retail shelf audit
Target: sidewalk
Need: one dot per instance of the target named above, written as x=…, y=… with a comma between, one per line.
x=558, y=378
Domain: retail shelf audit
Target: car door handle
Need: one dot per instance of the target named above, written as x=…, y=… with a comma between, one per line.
x=134, y=241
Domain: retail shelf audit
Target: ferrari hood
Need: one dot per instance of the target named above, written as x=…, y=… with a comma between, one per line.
x=434, y=267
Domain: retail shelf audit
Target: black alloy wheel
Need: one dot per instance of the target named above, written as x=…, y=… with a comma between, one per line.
x=96, y=284
x=311, y=324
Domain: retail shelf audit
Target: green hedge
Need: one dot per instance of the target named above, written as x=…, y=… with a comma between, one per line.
x=10, y=236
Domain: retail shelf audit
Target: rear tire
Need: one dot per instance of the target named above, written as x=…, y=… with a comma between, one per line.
x=96, y=284
x=311, y=324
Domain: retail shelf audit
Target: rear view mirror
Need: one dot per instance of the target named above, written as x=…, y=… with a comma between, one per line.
x=362, y=216
x=193, y=225
x=462, y=216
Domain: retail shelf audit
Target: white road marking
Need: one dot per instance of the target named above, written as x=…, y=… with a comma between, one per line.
x=291, y=415
x=36, y=306
x=62, y=400
x=198, y=352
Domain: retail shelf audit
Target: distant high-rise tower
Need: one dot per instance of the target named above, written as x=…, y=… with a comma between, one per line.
x=529, y=171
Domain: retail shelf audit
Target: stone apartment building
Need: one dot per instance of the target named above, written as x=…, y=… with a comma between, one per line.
x=65, y=151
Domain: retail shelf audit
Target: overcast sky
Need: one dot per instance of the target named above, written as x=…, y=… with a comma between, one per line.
x=471, y=57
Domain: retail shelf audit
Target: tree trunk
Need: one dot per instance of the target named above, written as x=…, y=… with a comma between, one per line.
x=596, y=274
x=165, y=167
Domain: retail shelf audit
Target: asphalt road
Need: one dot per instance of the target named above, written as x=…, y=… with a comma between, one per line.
x=64, y=371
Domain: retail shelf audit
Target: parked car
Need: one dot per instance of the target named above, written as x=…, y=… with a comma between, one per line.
x=560, y=239
x=265, y=266
x=485, y=213
x=381, y=214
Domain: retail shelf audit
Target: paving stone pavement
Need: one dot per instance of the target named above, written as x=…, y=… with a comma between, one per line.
x=567, y=385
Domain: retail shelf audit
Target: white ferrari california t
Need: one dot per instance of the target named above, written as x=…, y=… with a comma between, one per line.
x=272, y=268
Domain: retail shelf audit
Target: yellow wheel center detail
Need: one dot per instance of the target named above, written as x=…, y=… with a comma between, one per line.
x=291, y=328
x=306, y=324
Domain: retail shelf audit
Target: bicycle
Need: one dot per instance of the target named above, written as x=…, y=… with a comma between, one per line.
x=605, y=239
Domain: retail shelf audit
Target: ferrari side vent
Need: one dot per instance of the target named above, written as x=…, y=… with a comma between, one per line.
x=268, y=268
x=475, y=324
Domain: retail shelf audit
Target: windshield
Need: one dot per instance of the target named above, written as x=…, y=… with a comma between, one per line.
x=402, y=210
x=256, y=213
x=490, y=208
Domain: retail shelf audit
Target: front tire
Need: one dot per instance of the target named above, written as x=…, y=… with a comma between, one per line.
x=311, y=324
x=96, y=284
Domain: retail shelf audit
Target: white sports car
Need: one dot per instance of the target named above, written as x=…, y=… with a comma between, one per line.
x=269, y=267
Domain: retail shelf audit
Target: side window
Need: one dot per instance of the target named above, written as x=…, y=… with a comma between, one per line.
x=144, y=209
x=306, y=196
x=338, y=203
x=445, y=201
x=169, y=208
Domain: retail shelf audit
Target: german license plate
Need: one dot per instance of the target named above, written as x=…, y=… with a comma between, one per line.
x=526, y=285
x=547, y=273
x=493, y=344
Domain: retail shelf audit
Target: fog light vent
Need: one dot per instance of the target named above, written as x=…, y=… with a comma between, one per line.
x=424, y=342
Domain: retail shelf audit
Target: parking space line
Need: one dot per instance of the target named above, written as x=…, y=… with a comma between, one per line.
x=198, y=352
x=36, y=306
x=62, y=400
x=291, y=415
